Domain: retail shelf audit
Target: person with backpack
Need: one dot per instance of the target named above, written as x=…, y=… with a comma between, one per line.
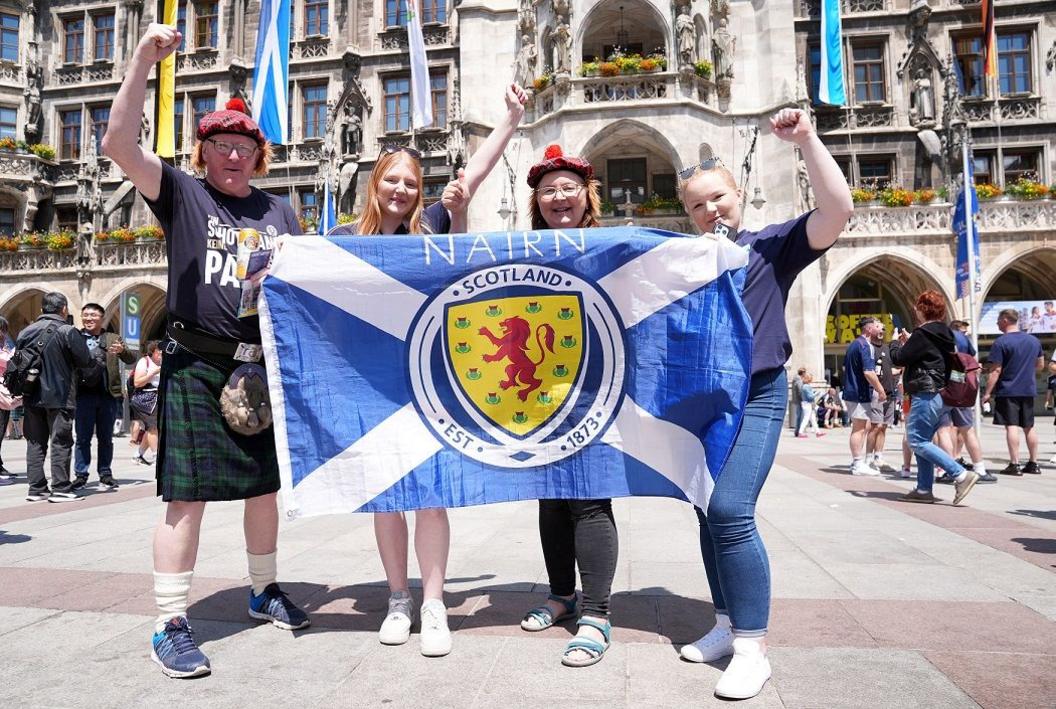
x=99, y=394
x=42, y=371
x=926, y=356
x=7, y=402
x=958, y=423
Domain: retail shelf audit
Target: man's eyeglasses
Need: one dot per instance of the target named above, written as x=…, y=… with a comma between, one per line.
x=569, y=191
x=704, y=166
x=391, y=148
x=225, y=148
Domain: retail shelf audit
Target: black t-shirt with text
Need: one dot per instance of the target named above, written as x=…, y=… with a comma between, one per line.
x=201, y=241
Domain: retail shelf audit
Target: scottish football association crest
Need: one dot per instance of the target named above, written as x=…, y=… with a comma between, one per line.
x=517, y=365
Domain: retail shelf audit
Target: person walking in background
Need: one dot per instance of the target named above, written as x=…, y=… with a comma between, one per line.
x=958, y=423
x=1015, y=359
x=99, y=395
x=861, y=388
x=146, y=379
x=808, y=407
x=797, y=398
x=925, y=356
x=49, y=406
x=883, y=412
x=7, y=348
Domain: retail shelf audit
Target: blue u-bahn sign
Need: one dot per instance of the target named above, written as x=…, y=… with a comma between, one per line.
x=130, y=319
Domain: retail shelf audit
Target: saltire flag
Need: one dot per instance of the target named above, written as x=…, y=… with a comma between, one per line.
x=421, y=98
x=965, y=240
x=989, y=40
x=271, y=89
x=327, y=216
x=410, y=372
x=830, y=79
x=165, y=100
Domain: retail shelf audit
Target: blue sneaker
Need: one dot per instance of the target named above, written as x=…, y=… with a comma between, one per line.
x=176, y=652
x=274, y=606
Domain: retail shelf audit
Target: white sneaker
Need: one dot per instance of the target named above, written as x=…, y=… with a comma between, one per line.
x=747, y=672
x=715, y=645
x=862, y=468
x=1052, y=460
x=436, y=638
x=905, y=473
x=397, y=626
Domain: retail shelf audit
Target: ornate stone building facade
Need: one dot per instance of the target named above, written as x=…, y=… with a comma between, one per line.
x=640, y=87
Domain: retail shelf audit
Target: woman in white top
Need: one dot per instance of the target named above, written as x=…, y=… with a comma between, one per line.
x=144, y=401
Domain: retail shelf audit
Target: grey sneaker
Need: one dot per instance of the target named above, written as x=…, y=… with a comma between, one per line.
x=916, y=495
x=965, y=486
x=397, y=625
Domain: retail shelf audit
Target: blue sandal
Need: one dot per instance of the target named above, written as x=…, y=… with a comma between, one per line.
x=593, y=648
x=542, y=617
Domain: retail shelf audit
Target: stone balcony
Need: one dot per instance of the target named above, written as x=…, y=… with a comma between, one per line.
x=136, y=257
x=593, y=92
x=25, y=167
x=996, y=216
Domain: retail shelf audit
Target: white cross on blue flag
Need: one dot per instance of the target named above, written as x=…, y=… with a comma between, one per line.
x=410, y=372
x=271, y=92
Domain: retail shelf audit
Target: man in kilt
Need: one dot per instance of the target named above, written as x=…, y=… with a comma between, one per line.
x=201, y=457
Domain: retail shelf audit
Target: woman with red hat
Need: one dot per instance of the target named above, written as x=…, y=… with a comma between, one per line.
x=734, y=557
x=573, y=532
x=394, y=205
x=204, y=455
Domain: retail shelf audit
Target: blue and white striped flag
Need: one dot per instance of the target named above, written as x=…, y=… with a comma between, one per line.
x=410, y=372
x=830, y=81
x=421, y=99
x=327, y=215
x=271, y=92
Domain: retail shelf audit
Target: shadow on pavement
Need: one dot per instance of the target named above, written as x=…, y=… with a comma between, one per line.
x=6, y=538
x=1038, y=514
x=1037, y=545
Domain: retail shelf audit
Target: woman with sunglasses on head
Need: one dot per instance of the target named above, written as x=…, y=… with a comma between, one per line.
x=573, y=532
x=734, y=556
x=394, y=206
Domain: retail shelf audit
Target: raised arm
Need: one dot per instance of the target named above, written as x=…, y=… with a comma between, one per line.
x=831, y=193
x=482, y=161
x=121, y=142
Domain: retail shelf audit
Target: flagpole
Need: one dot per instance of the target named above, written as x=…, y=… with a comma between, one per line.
x=969, y=237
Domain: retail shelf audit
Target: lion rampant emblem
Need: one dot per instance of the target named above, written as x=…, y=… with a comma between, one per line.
x=513, y=345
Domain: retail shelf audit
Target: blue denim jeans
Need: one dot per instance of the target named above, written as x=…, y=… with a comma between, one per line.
x=96, y=414
x=734, y=556
x=925, y=410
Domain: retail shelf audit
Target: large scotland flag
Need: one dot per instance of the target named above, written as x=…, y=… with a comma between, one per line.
x=410, y=372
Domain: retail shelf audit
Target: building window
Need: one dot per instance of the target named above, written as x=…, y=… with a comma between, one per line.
x=983, y=167
x=432, y=191
x=1020, y=164
x=434, y=10
x=844, y=163
x=395, y=13
x=875, y=171
x=8, y=121
x=664, y=186
x=70, y=144
x=66, y=218
x=309, y=206
x=181, y=25
x=100, y=119
x=438, y=89
x=868, y=72
x=968, y=63
x=9, y=37
x=1013, y=63
x=177, y=122
x=316, y=17
x=814, y=59
x=626, y=177
x=397, y=104
x=7, y=221
x=313, y=110
x=73, y=40
x=206, y=24
x=202, y=105
x=103, y=41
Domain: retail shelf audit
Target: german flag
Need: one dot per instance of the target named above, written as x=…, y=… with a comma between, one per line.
x=989, y=41
x=165, y=99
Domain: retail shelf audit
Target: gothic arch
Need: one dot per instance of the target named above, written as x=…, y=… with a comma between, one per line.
x=1036, y=261
x=916, y=270
x=595, y=19
x=153, y=304
x=628, y=128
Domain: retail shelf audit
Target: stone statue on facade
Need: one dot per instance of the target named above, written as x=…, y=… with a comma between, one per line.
x=144, y=131
x=34, y=113
x=353, y=132
x=562, y=37
x=922, y=102
x=526, y=17
x=687, y=37
x=561, y=9
x=527, y=58
x=722, y=48
x=1050, y=58
x=806, y=192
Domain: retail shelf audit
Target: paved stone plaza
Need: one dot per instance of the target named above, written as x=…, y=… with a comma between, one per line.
x=876, y=603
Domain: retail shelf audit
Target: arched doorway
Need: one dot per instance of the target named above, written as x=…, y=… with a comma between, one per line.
x=1025, y=283
x=633, y=26
x=22, y=309
x=152, y=311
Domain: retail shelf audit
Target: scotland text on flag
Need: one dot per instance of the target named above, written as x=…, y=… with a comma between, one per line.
x=410, y=372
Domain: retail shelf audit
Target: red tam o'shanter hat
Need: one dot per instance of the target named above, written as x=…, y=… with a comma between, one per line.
x=234, y=118
x=555, y=159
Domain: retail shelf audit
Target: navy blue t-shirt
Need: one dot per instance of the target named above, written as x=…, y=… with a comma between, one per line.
x=435, y=216
x=856, y=362
x=962, y=343
x=777, y=254
x=1017, y=354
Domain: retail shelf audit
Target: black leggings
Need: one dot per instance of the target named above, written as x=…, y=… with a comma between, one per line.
x=582, y=531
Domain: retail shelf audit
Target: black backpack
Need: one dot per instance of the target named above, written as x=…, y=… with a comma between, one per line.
x=23, y=369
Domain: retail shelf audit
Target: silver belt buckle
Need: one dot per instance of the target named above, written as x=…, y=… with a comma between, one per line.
x=248, y=353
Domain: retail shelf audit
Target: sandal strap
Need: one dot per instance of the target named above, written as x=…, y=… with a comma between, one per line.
x=543, y=614
x=604, y=628
x=593, y=647
x=568, y=603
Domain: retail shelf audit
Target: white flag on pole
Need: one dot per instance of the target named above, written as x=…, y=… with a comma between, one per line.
x=422, y=105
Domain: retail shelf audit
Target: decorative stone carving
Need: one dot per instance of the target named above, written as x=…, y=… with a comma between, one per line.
x=630, y=88
x=806, y=192
x=723, y=45
x=1014, y=109
x=686, y=31
x=144, y=130
x=922, y=100
x=133, y=16
x=1050, y=57
x=237, y=73
x=526, y=17
x=802, y=93
x=34, y=85
x=527, y=58
x=561, y=10
x=562, y=38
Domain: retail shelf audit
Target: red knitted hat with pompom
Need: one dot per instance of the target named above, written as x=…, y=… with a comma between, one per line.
x=555, y=159
x=234, y=118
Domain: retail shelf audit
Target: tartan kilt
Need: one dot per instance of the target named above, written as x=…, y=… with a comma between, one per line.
x=199, y=457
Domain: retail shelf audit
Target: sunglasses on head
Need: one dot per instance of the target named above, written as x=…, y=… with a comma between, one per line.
x=392, y=148
x=703, y=167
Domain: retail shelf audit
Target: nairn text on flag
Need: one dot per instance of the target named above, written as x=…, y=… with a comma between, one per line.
x=410, y=372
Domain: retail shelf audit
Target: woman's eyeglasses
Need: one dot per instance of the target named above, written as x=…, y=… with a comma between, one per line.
x=392, y=148
x=224, y=148
x=569, y=191
x=703, y=167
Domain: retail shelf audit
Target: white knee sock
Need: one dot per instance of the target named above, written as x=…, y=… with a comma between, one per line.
x=170, y=593
x=262, y=571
